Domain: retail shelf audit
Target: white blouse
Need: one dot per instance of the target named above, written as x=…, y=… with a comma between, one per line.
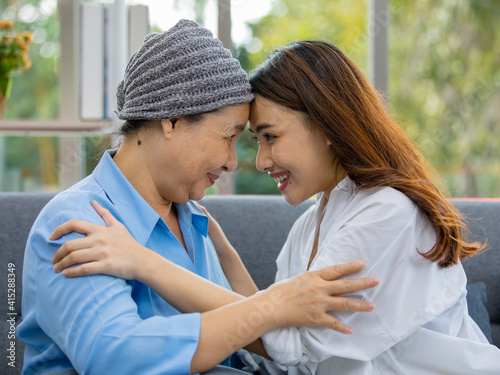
x=420, y=324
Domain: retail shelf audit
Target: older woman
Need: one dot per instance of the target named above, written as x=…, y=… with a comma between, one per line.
x=185, y=101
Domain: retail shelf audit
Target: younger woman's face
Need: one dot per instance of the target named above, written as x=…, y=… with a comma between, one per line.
x=299, y=159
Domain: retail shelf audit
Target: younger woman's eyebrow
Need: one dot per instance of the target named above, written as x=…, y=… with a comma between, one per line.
x=260, y=128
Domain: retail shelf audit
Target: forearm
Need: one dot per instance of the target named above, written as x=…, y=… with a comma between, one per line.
x=185, y=290
x=238, y=276
x=229, y=321
x=232, y=327
x=232, y=265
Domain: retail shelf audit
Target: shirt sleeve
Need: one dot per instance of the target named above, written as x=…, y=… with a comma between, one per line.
x=95, y=321
x=386, y=233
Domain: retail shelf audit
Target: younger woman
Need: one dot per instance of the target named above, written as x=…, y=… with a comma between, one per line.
x=322, y=129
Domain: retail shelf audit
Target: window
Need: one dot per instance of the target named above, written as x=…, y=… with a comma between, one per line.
x=444, y=75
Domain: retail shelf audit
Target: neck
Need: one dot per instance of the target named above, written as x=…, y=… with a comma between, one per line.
x=133, y=163
x=339, y=176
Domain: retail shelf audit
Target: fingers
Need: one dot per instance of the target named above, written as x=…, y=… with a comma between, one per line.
x=202, y=208
x=348, y=304
x=85, y=269
x=77, y=257
x=338, y=271
x=108, y=218
x=74, y=225
x=345, y=304
x=69, y=248
x=345, y=286
x=332, y=323
x=84, y=227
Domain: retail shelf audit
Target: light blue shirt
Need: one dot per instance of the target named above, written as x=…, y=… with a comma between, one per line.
x=100, y=324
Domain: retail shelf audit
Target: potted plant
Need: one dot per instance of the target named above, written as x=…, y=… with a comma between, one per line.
x=14, y=47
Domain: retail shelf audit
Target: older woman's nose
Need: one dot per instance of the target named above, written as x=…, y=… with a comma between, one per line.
x=232, y=160
x=263, y=161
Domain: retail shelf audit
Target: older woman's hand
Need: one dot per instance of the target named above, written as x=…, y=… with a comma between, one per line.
x=309, y=297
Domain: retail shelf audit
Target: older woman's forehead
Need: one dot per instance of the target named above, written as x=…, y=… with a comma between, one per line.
x=228, y=125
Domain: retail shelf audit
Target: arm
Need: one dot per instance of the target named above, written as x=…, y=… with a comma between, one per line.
x=227, y=316
x=96, y=317
x=234, y=269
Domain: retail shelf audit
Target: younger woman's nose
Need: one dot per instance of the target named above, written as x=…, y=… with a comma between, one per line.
x=263, y=161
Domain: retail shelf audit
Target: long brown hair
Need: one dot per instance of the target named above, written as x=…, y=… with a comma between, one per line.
x=316, y=78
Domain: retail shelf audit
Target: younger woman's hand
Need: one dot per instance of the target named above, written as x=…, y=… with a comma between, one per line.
x=109, y=250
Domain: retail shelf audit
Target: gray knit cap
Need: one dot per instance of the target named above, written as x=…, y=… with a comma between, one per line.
x=182, y=71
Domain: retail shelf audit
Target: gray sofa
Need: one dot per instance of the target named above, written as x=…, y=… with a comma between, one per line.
x=257, y=226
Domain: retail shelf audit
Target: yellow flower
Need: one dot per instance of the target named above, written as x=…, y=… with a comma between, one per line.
x=28, y=37
x=6, y=25
x=14, y=49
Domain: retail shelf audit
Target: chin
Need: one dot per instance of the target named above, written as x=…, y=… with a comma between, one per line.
x=197, y=195
x=294, y=201
x=183, y=200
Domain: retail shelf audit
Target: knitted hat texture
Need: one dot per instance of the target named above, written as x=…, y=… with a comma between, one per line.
x=182, y=71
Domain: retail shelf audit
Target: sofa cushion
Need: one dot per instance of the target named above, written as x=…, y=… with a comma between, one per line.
x=476, y=302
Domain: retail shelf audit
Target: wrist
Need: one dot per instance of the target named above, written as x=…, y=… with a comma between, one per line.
x=148, y=265
x=269, y=303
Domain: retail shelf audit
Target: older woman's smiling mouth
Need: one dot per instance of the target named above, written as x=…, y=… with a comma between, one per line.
x=212, y=178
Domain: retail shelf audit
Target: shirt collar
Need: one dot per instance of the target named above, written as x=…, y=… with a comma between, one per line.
x=134, y=212
x=338, y=198
x=191, y=213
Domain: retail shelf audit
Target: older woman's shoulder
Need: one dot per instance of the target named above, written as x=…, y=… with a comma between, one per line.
x=74, y=201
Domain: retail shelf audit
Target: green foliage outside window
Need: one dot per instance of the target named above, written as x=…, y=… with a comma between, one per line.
x=444, y=75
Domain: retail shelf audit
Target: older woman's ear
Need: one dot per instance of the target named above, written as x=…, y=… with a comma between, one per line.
x=168, y=127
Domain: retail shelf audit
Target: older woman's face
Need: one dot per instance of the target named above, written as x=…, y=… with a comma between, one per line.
x=198, y=153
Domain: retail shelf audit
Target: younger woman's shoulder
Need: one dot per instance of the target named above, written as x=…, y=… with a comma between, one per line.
x=386, y=199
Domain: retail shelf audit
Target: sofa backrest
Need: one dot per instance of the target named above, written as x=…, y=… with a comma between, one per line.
x=483, y=218
x=18, y=211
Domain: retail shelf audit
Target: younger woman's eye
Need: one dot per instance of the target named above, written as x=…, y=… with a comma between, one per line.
x=255, y=138
x=269, y=137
